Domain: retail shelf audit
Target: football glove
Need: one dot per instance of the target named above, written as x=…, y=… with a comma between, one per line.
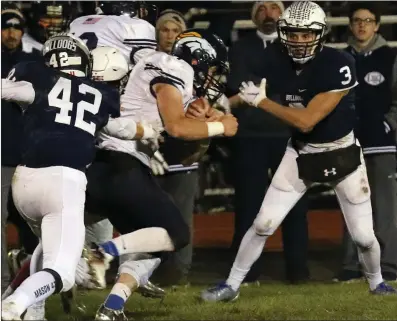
x=253, y=94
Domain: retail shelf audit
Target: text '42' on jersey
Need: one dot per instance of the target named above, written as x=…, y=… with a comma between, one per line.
x=61, y=122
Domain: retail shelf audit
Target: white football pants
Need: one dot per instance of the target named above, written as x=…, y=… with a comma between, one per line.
x=51, y=200
x=287, y=188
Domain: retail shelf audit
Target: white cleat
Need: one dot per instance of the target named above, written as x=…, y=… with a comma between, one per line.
x=9, y=311
x=36, y=312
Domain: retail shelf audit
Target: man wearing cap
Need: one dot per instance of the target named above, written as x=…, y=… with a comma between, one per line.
x=12, y=29
x=179, y=181
x=259, y=146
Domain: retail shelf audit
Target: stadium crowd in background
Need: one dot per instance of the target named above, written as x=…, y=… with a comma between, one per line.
x=255, y=152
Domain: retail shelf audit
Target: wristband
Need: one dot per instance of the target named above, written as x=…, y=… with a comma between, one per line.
x=215, y=128
x=148, y=132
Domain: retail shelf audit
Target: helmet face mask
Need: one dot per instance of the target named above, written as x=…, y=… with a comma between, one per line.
x=301, y=30
x=50, y=18
x=207, y=55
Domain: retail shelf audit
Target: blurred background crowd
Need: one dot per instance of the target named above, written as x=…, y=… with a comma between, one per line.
x=236, y=172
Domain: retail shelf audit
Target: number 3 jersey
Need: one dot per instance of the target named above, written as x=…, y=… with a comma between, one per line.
x=63, y=115
x=331, y=70
x=139, y=99
x=134, y=37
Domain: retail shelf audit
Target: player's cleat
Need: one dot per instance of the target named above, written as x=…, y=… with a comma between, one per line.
x=221, y=292
x=384, y=289
x=9, y=312
x=151, y=291
x=36, y=312
x=105, y=314
x=98, y=262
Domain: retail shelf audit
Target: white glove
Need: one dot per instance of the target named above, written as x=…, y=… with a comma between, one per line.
x=151, y=134
x=158, y=164
x=253, y=94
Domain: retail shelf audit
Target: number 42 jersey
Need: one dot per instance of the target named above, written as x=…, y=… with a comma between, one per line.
x=63, y=114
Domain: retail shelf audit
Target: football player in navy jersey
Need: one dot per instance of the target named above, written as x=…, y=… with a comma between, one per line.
x=63, y=109
x=316, y=82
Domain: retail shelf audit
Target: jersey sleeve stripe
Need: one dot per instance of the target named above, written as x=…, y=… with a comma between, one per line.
x=343, y=89
x=139, y=44
x=163, y=80
x=140, y=40
x=174, y=78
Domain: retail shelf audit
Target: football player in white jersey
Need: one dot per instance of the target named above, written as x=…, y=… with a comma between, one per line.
x=159, y=89
x=119, y=25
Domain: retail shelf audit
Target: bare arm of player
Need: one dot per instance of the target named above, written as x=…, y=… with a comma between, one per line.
x=128, y=129
x=305, y=118
x=179, y=126
x=20, y=92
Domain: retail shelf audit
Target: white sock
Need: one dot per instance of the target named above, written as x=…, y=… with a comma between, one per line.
x=151, y=239
x=140, y=270
x=250, y=250
x=35, y=288
x=370, y=261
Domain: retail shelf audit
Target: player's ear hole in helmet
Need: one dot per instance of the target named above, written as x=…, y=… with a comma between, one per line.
x=302, y=30
x=110, y=66
x=140, y=9
x=68, y=54
x=207, y=54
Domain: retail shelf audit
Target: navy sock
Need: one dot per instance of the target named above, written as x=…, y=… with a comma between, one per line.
x=114, y=302
x=110, y=248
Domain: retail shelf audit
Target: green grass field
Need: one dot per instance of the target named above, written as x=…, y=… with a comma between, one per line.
x=270, y=301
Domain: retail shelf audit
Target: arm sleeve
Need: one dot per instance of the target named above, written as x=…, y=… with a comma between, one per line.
x=21, y=92
x=122, y=128
x=391, y=116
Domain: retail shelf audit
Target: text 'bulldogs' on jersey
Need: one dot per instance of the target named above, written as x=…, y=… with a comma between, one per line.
x=330, y=70
x=62, y=120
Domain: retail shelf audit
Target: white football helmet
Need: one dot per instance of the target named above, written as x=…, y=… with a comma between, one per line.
x=109, y=64
x=302, y=16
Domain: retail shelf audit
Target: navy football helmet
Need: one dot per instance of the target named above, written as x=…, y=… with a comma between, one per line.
x=207, y=55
